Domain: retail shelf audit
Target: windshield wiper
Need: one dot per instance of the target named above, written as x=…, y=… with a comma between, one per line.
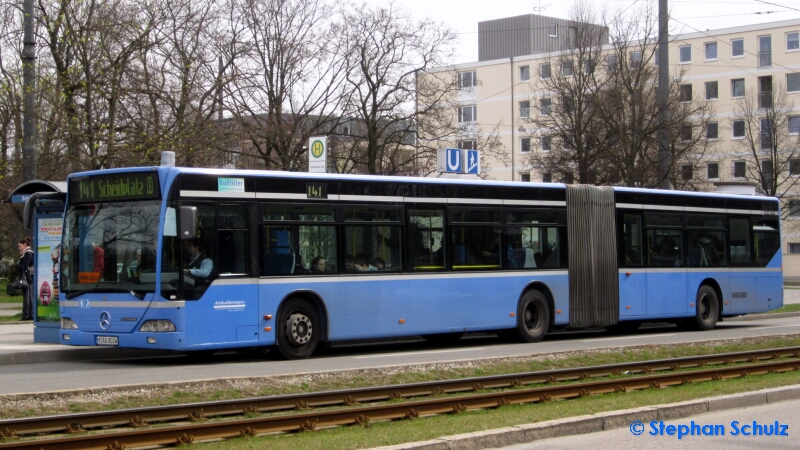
x=138, y=295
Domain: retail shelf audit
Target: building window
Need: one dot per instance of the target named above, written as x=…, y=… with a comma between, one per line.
x=611, y=61
x=792, y=41
x=524, y=73
x=794, y=209
x=656, y=55
x=766, y=172
x=588, y=66
x=569, y=178
x=766, y=133
x=686, y=92
x=553, y=30
x=345, y=130
x=793, y=82
x=712, y=171
x=739, y=169
x=711, y=50
x=525, y=145
x=794, y=248
x=794, y=167
x=547, y=177
x=636, y=59
x=712, y=90
x=566, y=68
x=466, y=80
x=794, y=124
x=765, y=51
x=737, y=48
x=546, y=106
x=547, y=143
x=737, y=88
x=525, y=177
x=467, y=145
x=467, y=114
x=685, y=52
x=525, y=109
x=712, y=130
x=544, y=71
x=686, y=132
x=738, y=128
x=687, y=172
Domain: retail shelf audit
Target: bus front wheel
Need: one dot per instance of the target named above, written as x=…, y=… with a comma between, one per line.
x=533, y=316
x=298, y=329
x=707, y=306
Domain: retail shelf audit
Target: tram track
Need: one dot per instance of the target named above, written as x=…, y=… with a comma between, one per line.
x=557, y=384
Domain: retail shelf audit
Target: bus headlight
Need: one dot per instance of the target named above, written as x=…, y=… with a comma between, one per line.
x=157, y=326
x=68, y=324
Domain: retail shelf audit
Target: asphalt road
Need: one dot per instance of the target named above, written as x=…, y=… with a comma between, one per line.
x=54, y=376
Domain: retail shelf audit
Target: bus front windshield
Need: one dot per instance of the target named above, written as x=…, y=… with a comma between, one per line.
x=110, y=247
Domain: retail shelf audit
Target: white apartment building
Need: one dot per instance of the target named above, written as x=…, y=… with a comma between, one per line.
x=719, y=66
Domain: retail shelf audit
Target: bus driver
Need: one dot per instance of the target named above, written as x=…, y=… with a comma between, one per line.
x=200, y=265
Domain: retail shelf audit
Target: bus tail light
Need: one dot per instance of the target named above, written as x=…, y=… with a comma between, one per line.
x=68, y=324
x=157, y=326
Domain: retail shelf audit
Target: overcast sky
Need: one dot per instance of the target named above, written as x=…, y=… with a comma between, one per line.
x=690, y=15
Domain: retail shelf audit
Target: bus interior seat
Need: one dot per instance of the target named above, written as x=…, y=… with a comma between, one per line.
x=552, y=260
x=278, y=264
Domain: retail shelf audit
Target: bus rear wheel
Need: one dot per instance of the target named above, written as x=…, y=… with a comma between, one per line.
x=533, y=317
x=707, y=306
x=298, y=329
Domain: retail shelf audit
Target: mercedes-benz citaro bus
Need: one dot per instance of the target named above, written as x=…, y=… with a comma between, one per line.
x=198, y=260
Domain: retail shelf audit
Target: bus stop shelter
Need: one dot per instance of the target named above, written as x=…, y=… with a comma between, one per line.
x=43, y=217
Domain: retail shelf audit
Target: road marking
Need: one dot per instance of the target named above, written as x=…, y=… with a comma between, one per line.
x=779, y=326
x=630, y=337
x=388, y=355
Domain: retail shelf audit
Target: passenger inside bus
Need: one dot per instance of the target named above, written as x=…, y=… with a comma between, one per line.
x=299, y=268
x=379, y=263
x=318, y=265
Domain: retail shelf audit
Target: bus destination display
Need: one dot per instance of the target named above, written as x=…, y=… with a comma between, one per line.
x=114, y=187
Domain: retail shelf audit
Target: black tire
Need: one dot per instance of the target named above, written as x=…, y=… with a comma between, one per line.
x=443, y=339
x=299, y=329
x=624, y=327
x=707, y=307
x=533, y=317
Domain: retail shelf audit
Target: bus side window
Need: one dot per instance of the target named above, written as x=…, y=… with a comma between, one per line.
x=425, y=232
x=631, y=241
x=232, y=239
x=739, y=229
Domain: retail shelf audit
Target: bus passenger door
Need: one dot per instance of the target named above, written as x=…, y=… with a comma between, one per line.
x=666, y=274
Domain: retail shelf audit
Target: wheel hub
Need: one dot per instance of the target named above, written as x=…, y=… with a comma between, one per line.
x=299, y=328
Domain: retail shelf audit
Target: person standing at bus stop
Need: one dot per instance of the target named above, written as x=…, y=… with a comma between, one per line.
x=25, y=267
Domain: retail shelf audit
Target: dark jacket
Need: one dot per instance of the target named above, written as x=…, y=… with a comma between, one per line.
x=25, y=263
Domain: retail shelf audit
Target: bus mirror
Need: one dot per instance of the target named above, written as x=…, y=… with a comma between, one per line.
x=188, y=221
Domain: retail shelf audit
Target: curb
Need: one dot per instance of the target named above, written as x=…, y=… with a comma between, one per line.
x=80, y=354
x=761, y=316
x=593, y=423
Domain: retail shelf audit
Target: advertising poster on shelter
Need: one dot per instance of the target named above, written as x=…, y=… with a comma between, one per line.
x=48, y=250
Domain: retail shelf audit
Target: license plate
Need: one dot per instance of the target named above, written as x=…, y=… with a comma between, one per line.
x=107, y=340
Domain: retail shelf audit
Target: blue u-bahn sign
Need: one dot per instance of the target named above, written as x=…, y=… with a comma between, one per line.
x=456, y=160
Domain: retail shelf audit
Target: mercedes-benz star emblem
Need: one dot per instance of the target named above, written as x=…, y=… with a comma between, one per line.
x=105, y=320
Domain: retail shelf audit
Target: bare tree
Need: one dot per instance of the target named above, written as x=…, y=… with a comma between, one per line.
x=387, y=51
x=770, y=149
x=288, y=80
x=564, y=115
x=601, y=118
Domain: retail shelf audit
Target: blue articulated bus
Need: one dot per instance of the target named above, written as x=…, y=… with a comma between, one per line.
x=199, y=260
